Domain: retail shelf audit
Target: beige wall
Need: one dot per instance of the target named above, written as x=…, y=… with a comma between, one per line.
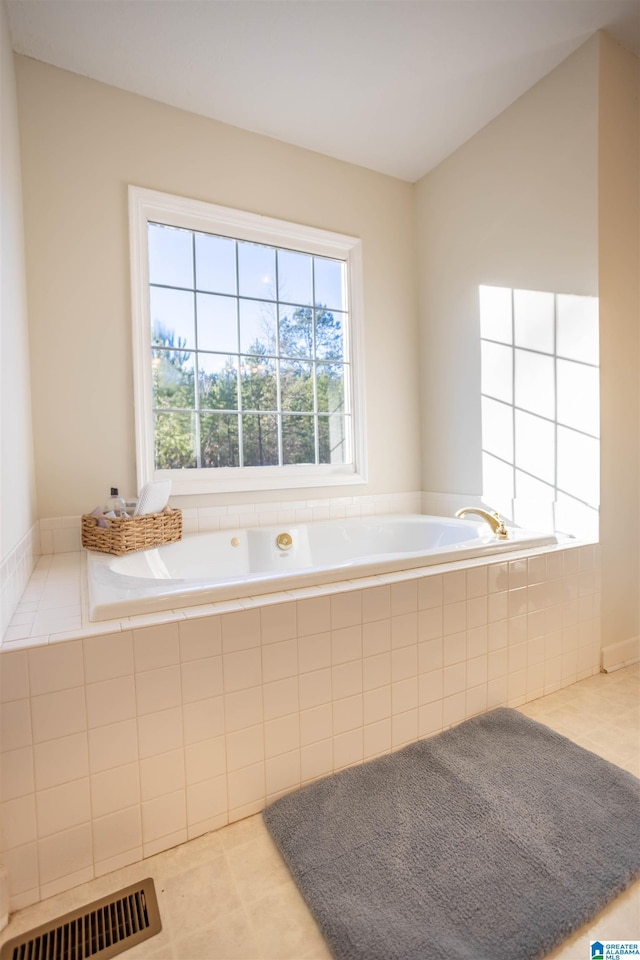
x=82, y=144
x=619, y=268
x=17, y=487
x=516, y=206
x=545, y=197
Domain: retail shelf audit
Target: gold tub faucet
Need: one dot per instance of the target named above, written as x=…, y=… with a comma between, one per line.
x=494, y=520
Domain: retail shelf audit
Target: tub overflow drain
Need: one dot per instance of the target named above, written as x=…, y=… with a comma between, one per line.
x=284, y=541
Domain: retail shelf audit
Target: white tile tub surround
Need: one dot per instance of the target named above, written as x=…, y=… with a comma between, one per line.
x=51, y=605
x=118, y=745
x=15, y=571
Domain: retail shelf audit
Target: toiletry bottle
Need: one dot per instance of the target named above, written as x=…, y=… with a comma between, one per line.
x=115, y=504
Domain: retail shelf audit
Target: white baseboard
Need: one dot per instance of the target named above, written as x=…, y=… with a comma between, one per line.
x=621, y=654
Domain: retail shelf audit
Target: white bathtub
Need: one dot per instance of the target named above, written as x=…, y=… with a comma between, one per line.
x=208, y=567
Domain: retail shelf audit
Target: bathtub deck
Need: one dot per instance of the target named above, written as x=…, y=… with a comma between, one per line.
x=54, y=606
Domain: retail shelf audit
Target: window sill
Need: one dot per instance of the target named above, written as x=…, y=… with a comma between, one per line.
x=190, y=482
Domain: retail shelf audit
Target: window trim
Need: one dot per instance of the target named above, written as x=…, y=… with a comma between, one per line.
x=149, y=205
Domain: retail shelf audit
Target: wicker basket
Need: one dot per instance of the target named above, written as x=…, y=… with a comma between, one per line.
x=134, y=533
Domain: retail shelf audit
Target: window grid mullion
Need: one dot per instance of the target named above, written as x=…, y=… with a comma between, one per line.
x=239, y=361
x=278, y=377
x=314, y=364
x=196, y=366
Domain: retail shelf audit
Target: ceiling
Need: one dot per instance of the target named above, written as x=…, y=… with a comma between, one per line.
x=393, y=85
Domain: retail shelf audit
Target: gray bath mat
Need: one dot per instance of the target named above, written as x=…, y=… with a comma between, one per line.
x=493, y=841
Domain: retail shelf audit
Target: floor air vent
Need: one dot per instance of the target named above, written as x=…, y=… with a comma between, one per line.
x=99, y=930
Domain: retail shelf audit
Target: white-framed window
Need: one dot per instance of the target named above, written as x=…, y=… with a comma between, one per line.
x=248, y=354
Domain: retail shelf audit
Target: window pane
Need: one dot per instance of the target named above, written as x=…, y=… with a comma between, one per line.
x=329, y=283
x=175, y=441
x=535, y=383
x=579, y=466
x=260, y=440
x=219, y=440
x=294, y=277
x=257, y=271
x=259, y=385
x=215, y=263
x=497, y=429
x=170, y=256
x=330, y=387
x=296, y=332
x=217, y=323
x=218, y=381
x=332, y=445
x=296, y=386
x=257, y=327
x=172, y=318
x=497, y=371
x=535, y=446
x=578, y=328
x=172, y=379
x=298, y=439
x=578, y=396
x=329, y=335
x=533, y=316
x=495, y=313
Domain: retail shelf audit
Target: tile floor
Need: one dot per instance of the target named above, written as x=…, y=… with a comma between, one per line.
x=228, y=895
